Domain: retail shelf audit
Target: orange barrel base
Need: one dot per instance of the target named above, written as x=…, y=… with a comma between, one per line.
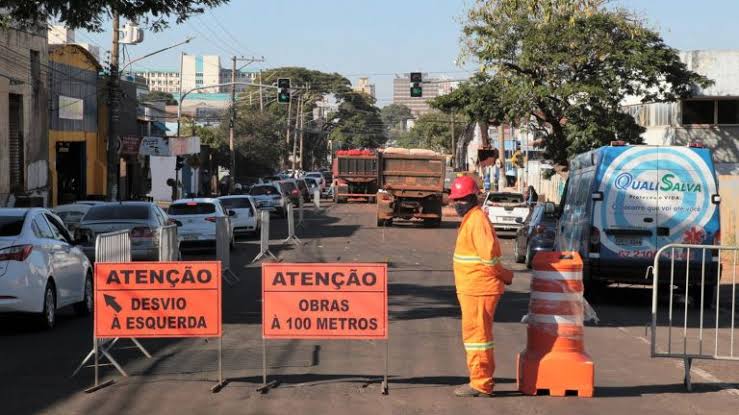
x=561, y=373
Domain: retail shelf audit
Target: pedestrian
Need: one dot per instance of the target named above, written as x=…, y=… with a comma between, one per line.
x=480, y=278
x=531, y=196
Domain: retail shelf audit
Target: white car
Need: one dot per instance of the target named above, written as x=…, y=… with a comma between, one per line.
x=198, y=219
x=270, y=197
x=245, y=221
x=41, y=269
x=506, y=211
x=318, y=176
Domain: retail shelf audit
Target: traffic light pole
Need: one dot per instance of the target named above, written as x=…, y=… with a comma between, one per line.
x=114, y=116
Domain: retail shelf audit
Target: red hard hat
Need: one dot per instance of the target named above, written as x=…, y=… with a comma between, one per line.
x=463, y=186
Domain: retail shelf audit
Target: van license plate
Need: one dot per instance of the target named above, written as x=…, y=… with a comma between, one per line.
x=628, y=241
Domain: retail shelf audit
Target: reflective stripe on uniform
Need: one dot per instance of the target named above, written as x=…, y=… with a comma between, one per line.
x=474, y=259
x=479, y=346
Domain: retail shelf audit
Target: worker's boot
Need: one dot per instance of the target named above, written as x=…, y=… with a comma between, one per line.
x=467, y=391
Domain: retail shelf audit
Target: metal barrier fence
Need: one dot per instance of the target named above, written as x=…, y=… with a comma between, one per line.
x=169, y=244
x=263, y=237
x=291, y=237
x=693, y=272
x=317, y=198
x=113, y=247
x=224, y=238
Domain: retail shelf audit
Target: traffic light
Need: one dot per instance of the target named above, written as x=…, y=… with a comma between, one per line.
x=283, y=92
x=416, y=81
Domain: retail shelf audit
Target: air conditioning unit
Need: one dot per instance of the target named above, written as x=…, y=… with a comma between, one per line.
x=132, y=34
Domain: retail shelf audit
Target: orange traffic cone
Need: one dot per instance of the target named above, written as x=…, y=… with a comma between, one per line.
x=555, y=358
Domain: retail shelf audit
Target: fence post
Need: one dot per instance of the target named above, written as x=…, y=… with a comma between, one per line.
x=317, y=198
x=223, y=249
x=291, y=237
x=264, y=237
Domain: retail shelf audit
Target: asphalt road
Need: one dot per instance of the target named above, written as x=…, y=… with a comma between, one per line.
x=338, y=377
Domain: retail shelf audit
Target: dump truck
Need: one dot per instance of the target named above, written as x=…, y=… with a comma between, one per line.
x=355, y=175
x=411, y=186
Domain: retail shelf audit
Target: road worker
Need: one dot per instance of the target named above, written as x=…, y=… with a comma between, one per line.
x=479, y=277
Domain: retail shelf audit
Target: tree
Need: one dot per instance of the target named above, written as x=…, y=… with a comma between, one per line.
x=357, y=123
x=479, y=99
x=158, y=96
x=94, y=13
x=568, y=64
x=393, y=116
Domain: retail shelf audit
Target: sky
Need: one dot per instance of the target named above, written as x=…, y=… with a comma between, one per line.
x=379, y=38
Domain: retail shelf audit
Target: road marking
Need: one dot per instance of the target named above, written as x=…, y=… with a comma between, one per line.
x=725, y=387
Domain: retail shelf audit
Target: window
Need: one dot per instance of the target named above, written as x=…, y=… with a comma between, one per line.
x=199, y=74
x=728, y=111
x=60, y=232
x=192, y=208
x=41, y=228
x=117, y=212
x=11, y=225
x=698, y=112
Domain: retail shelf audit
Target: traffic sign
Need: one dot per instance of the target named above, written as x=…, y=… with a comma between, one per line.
x=324, y=301
x=158, y=299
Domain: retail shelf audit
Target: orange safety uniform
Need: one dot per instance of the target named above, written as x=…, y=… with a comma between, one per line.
x=480, y=280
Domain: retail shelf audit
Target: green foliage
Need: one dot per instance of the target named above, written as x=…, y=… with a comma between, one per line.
x=433, y=131
x=568, y=64
x=94, y=13
x=392, y=117
x=357, y=123
x=158, y=96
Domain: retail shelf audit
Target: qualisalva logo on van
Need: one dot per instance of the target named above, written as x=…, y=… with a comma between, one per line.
x=667, y=183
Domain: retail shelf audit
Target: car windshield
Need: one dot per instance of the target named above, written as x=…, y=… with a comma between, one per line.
x=70, y=216
x=263, y=190
x=117, y=212
x=192, y=208
x=505, y=198
x=236, y=203
x=11, y=225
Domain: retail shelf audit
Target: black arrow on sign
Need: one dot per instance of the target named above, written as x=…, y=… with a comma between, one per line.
x=110, y=301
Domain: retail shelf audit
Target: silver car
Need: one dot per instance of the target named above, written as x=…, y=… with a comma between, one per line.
x=143, y=220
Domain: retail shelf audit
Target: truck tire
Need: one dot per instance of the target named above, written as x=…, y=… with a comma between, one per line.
x=432, y=223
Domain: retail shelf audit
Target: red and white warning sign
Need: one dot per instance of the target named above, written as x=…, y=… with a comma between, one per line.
x=324, y=301
x=158, y=299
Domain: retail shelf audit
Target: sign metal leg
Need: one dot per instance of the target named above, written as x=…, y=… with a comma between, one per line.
x=221, y=381
x=266, y=386
x=385, y=386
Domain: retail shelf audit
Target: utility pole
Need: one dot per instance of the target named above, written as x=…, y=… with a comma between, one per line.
x=287, y=135
x=114, y=108
x=232, y=121
x=182, y=59
x=261, y=99
x=454, y=148
x=298, y=113
x=502, y=181
x=302, y=130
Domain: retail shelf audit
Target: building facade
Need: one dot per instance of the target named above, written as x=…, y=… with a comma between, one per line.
x=24, y=99
x=364, y=86
x=418, y=105
x=197, y=71
x=77, y=161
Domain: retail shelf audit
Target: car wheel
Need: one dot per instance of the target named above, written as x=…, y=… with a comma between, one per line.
x=85, y=306
x=47, y=318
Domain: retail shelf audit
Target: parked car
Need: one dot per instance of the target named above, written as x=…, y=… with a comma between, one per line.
x=270, y=197
x=321, y=178
x=290, y=190
x=41, y=268
x=537, y=233
x=198, y=218
x=304, y=190
x=245, y=221
x=313, y=183
x=72, y=214
x=505, y=210
x=143, y=220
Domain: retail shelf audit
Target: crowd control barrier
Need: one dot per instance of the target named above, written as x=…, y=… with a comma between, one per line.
x=694, y=323
x=264, y=237
x=169, y=245
x=224, y=238
x=291, y=237
x=317, y=198
x=555, y=359
x=110, y=247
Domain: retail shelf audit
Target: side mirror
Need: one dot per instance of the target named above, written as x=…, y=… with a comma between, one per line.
x=176, y=222
x=519, y=220
x=231, y=213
